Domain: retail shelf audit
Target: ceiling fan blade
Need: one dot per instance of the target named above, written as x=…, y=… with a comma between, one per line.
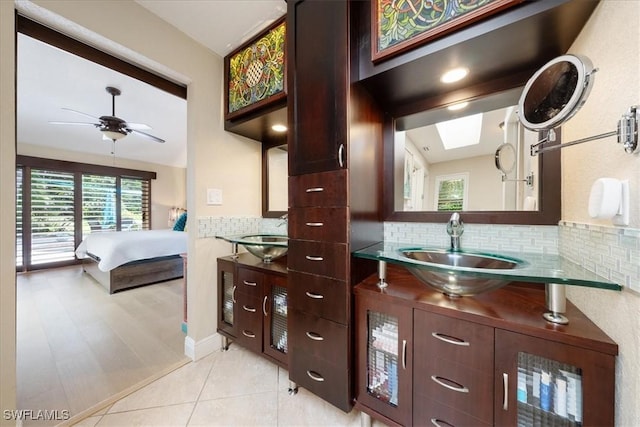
x=75, y=123
x=155, y=138
x=80, y=112
x=138, y=126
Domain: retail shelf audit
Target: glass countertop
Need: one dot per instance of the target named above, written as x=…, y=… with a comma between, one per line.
x=257, y=239
x=537, y=268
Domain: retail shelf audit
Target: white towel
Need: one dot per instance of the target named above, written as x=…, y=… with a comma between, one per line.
x=529, y=204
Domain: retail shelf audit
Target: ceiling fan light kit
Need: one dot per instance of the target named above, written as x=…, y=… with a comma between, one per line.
x=113, y=128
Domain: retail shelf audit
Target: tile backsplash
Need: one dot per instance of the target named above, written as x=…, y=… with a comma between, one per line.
x=611, y=252
x=528, y=238
x=211, y=226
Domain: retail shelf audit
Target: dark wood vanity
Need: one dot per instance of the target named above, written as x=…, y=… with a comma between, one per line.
x=252, y=305
x=422, y=356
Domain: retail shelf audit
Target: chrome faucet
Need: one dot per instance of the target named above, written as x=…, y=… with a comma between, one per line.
x=283, y=220
x=455, y=228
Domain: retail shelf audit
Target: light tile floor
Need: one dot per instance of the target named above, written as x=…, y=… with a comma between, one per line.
x=232, y=388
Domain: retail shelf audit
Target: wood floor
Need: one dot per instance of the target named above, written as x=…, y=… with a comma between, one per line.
x=77, y=345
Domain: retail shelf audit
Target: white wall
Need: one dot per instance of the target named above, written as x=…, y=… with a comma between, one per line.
x=611, y=39
x=7, y=213
x=485, y=185
x=167, y=190
x=215, y=158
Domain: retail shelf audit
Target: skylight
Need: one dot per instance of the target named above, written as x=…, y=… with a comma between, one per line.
x=460, y=132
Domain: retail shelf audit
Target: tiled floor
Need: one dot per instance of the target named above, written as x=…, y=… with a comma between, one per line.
x=232, y=388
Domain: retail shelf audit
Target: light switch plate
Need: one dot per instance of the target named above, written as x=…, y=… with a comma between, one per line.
x=214, y=196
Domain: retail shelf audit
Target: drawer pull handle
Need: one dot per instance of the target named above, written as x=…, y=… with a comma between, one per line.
x=314, y=190
x=505, y=387
x=248, y=334
x=264, y=305
x=249, y=283
x=233, y=294
x=341, y=155
x=314, y=336
x=314, y=258
x=459, y=388
x=314, y=224
x=439, y=423
x=450, y=340
x=404, y=354
x=315, y=376
x=314, y=296
x=249, y=309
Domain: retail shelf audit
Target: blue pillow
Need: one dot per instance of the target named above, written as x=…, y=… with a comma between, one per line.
x=181, y=222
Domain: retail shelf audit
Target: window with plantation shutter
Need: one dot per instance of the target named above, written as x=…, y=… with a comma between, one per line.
x=98, y=204
x=136, y=204
x=52, y=216
x=451, y=192
x=19, y=260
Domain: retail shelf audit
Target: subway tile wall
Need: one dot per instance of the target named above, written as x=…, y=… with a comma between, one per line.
x=528, y=238
x=211, y=226
x=611, y=252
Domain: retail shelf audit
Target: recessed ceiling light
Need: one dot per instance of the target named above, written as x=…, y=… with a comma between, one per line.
x=458, y=106
x=454, y=75
x=279, y=128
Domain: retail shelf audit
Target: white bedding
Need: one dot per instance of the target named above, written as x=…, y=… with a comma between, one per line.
x=120, y=247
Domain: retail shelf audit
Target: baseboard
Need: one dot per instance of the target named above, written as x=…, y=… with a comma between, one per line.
x=197, y=350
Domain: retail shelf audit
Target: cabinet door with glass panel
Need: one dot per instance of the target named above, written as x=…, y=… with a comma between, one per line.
x=384, y=358
x=227, y=306
x=274, y=310
x=544, y=383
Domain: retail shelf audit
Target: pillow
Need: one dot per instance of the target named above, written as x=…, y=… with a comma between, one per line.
x=181, y=222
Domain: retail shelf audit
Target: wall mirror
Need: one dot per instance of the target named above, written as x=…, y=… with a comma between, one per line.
x=475, y=159
x=275, y=177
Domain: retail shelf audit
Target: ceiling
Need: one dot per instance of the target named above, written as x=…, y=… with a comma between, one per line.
x=428, y=140
x=44, y=89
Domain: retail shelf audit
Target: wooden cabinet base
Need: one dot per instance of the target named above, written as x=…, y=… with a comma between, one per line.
x=484, y=360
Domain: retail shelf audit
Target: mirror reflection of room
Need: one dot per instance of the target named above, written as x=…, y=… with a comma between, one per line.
x=473, y=162
x=277, y=176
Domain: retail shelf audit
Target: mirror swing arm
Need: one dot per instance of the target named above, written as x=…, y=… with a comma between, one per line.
x=627, y=133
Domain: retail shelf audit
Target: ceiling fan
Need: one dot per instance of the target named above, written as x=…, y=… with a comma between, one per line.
x=112, y=127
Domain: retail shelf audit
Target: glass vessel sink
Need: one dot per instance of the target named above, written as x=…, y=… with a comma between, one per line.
x=454, y=272
x=267, y=247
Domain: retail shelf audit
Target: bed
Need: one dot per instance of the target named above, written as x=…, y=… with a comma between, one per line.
x=121, y=260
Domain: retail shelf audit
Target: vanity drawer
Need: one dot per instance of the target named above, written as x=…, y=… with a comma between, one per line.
x=249, y=323
x=318, y=189
x=320, y=296
x=428, y=412
x=320, y=377
x=456, y=340
x=325, y=259
x=453, y=384
x=322, y=338
x=249, y=282
x=325, y=224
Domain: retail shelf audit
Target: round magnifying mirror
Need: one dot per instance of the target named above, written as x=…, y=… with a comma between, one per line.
x=505, y=158
x=555, y=92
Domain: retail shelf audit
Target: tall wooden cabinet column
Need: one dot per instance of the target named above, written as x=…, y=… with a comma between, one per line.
x=335, y=145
